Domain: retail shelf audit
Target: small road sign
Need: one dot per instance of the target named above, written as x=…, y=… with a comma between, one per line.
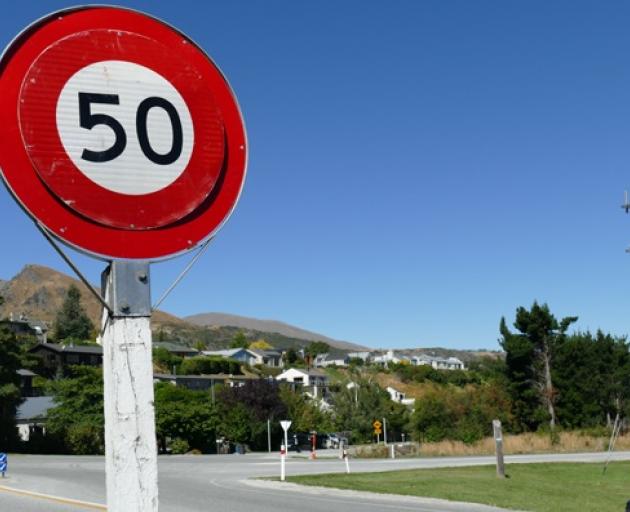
x=3, y=463
x=285, y=425
x=119, y=134
x=377, y=427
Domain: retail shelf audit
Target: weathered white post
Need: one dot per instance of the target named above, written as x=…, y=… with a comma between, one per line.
x=130, y=443
x=283, y=450
x=498, y=440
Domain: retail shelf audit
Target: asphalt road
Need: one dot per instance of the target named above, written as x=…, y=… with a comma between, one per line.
x=217, y=483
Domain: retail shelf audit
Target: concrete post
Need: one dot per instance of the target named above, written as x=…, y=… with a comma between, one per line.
x=498, y=440
x=130, y=443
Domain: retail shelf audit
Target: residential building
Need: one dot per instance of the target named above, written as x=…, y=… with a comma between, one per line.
x=438, y=363
x=399, y=396
x=243, y=355
x=248, y=356
x=26, y=382
x=177, y=349
x=204, y=382
x=314, y=381
x=32, y=415
x=57, y=357
x=365, y=356
x=389, y=357
x=271, y=358
x=324, y=360
x=23, y=327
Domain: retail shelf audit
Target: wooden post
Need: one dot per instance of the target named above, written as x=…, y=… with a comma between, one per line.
x=130, y=443
x=498, y=441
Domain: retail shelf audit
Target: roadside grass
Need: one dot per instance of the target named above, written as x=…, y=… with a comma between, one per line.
x=552, y=487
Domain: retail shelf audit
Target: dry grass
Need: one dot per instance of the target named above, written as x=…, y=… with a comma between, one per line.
x=568, y=442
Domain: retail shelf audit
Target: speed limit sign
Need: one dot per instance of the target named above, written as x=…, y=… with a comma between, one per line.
x=119, y=134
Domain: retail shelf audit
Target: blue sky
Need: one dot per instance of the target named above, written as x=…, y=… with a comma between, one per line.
x=418, y=169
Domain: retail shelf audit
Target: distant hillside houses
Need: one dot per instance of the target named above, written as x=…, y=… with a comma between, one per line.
x=252, y=357
x=436, y=362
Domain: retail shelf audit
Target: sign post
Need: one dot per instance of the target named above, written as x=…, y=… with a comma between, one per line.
x=3, y=464
x=122, y=139
x=283, y=449
x=377, y=430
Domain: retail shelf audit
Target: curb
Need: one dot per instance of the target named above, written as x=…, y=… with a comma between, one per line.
x=58, y=499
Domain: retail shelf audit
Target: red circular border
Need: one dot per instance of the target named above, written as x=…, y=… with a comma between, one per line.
x=40, y=91
x=76, y=230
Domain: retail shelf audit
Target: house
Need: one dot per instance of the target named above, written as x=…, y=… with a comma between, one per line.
x=26, y=382
x=399, y=396
x=324, y=360
x=23, y=327
x=364, y=356
x=177, y=349
x=313, y=381
x=389, y=357
x=31, y=416
x=271, y=358
x=438, y=363
x=204, y=382
x=248, y=356
x=243, y=355
x=56, y=357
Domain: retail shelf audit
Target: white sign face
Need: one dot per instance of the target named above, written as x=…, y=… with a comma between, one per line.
x=285, y=425
x=125, y=127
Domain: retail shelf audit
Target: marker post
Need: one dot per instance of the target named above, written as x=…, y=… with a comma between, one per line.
x=283, y=449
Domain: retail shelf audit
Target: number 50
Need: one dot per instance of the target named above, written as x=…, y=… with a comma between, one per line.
x=88, y=120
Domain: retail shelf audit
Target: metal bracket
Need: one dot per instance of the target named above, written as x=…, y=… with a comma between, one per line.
x=128, y=288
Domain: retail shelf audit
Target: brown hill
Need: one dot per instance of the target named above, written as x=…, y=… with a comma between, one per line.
x=38, y=292
x=269, y=326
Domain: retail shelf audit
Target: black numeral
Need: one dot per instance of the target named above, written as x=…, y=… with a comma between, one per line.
x=88, y=121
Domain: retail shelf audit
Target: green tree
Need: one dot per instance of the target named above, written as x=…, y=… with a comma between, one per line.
x=315, y=348
x=529, y=355
x=305, y=413
x=239, y=340
x=186, y=415
x=77, y=417
x=357, y=407
x=207, y=365
x=10, y=397
x=164, y=360
x=72, y=321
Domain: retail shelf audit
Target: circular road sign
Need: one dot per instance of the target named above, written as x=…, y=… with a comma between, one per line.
x=119, y=135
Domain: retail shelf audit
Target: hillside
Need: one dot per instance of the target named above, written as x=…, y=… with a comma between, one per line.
x=38, y=292
x=267, y=326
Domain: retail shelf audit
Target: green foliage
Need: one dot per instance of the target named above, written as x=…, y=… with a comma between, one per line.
x=239, y=340
x=185, y=415
x=10, y=399
x=72, y=322
x=305, y=414
x=357, y=408
x=592, y=375
x=317, y=347
x=464, y=414
x=529, y=358
x=207, y=365
x=179, y=446
x=244, y=412
x=77, y=417
x=165, y=360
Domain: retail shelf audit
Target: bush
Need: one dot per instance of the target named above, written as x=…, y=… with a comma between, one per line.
x=209, y=365
x=179, y=446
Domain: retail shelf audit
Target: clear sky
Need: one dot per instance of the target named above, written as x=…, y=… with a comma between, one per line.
x=418, y=169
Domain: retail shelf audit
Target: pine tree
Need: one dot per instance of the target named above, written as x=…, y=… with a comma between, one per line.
x=72, y=321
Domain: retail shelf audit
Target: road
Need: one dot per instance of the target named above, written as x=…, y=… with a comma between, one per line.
x=217, y=483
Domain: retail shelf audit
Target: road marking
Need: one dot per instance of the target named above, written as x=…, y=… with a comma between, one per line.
x=57, y=499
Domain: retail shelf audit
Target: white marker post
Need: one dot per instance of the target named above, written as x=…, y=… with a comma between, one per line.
x=130, y=443
x=283, y=449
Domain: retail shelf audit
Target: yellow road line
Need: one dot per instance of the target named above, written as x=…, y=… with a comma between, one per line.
x=57, y=499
